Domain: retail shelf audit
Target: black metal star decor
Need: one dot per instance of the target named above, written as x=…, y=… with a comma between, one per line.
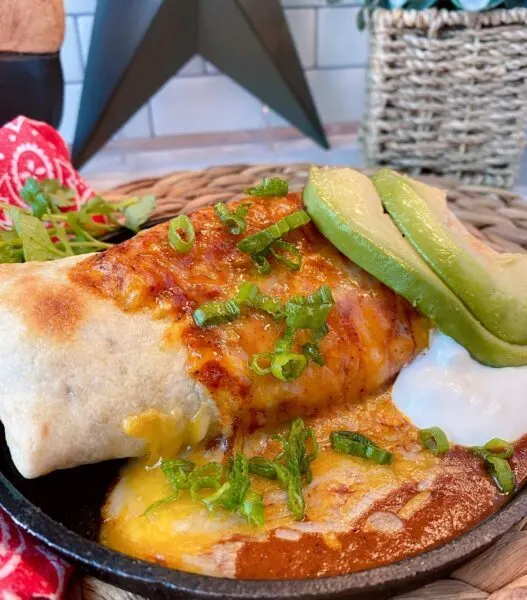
x=137, y=45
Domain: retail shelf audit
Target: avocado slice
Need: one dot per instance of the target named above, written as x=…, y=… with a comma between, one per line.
x=346, y=208
x=492, y=286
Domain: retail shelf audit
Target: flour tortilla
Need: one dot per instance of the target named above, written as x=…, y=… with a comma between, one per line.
x=73, y=366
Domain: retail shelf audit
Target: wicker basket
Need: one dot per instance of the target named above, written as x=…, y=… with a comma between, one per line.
x=447, y=93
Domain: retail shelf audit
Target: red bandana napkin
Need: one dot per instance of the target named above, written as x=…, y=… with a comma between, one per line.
x=28, y=571
x=34, y=149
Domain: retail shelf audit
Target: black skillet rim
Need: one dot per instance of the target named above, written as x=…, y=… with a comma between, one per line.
x=145, y=578
x=142, y=577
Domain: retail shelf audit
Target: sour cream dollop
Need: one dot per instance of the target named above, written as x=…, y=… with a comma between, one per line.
x=470, y=402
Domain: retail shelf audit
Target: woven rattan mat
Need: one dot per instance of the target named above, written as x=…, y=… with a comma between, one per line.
x=497, y=216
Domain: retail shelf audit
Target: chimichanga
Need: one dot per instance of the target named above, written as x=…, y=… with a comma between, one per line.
x=87, y=342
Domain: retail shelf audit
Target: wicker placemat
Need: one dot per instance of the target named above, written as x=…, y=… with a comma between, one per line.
x=497, y=216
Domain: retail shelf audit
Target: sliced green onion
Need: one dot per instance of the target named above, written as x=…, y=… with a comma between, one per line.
x=304, y=316
x=257, y=360
x=435, y=440
x=291, y=250
x=215, y=313
x=270, y=186
x=498, y=447
x=249, y=294
x=319, y=334
x=312, y=351
x=355, y=444
x=289, y=366
x=252, y=508
x=261, y=263
x=205, y=477
x=310, y=312
x=181, y=243
x=285, y=343
x=260, y=241
x=233, y=220
x=291, y=465
x=256, y=243
x=262, y=467
x=321, y=296
x=501, y=472
x=177, y=472
x=296, y=219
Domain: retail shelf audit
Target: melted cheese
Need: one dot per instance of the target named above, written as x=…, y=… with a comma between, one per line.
x=472, y=403
x=164, y=435
x=181, y=534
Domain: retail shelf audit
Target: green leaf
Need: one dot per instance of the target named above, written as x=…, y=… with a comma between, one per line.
x=9, y=254
x=98, y=206
x=35, y=198
x=62, y=236
x=59, y=196
x=137, y=214
x=47, y=196
x=34, y=236
x=270, y=186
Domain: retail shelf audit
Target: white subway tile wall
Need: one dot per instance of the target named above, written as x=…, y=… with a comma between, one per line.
x=200, y=99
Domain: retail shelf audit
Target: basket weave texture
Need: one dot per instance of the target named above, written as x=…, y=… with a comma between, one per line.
x=447, y=93
x=498, y=217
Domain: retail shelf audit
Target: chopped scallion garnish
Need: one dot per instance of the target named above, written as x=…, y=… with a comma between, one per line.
x=216, y=313
x=435, y=440
x=270, y=186
x=500, y=470
x=288, y=366
x=259, y=244
x=231, y=487
x=262, y=264
x=496, y=453
x=309, y=312
x=356, y=444
x=292, y=465
x=235, y=221
x=181, y=234
x=261, y=363
x=290, y=257
x=499, y=447
x=249, y=294
x=312, y=351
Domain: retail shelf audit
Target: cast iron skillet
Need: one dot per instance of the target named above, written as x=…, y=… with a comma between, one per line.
x=63, y=510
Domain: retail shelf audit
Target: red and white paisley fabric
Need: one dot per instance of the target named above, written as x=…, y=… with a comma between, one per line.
x=27, y=569
x=33, y=149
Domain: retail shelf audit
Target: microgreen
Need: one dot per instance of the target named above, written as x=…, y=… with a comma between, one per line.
x=51, y=227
